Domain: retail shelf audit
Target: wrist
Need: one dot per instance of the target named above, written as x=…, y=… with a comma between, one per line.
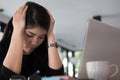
x=50, y=34
x=51, y=38
x=18, y=30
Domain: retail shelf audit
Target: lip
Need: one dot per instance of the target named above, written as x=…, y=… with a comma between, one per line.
x=31, y=48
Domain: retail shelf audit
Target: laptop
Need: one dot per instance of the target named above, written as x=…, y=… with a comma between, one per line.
x=102, y=42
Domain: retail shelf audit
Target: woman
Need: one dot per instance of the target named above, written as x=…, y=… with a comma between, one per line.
x=29, y=44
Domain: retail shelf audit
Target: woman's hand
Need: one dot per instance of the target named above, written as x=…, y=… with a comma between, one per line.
x=52, y=22
x=19, y=18
x=53, y=55
x=15, y=53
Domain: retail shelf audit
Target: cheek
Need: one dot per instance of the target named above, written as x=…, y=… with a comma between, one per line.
x=40, y=42
x=26, y=40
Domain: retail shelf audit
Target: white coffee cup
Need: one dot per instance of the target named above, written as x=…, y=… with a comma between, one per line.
x=100, y=70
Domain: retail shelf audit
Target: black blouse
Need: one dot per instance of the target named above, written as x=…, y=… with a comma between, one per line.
x=30, y=64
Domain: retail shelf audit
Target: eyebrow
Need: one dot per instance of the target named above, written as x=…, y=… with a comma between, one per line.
x=35, y=34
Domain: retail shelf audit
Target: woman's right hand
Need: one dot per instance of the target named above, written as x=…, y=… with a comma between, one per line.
x=19, y=18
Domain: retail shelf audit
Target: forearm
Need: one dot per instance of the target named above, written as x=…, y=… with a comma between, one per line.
x=13, y=59
x=54, y=59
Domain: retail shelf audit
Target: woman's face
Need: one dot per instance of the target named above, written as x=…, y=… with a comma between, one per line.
x=33, y=38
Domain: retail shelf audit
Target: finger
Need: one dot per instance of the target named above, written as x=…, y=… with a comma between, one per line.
x=52, y=20
x=50, y=14
x=20, y=10
x=25, y=9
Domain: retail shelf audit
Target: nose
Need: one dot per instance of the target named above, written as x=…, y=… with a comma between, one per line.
x=35, y=41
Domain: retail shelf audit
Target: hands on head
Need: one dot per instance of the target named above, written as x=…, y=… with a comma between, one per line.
x=20, y=15
x=19, y=18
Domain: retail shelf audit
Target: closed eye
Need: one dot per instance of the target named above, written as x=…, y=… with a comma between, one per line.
x=29, y=35
x=42, y=37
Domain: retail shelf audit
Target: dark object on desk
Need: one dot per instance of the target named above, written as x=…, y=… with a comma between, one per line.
x=16, y=77
x=35, y=76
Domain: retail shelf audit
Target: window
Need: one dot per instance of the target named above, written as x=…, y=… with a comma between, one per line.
x=70, y=60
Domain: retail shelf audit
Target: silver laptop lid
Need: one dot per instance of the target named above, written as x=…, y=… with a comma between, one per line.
x=102, y=42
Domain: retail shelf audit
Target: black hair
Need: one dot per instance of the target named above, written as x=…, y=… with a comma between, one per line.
x=36, y=15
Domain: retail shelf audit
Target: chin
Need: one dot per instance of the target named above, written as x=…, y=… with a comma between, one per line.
x=27, y=52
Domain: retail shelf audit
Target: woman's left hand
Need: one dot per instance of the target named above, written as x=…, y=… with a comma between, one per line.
x=52, y=22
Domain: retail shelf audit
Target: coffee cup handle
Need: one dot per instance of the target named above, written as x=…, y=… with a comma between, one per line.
x=116, y=70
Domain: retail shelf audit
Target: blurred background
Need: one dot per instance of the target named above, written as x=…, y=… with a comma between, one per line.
x=71, y=17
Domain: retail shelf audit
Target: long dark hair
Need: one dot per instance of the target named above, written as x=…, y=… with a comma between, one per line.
x=36, y=15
